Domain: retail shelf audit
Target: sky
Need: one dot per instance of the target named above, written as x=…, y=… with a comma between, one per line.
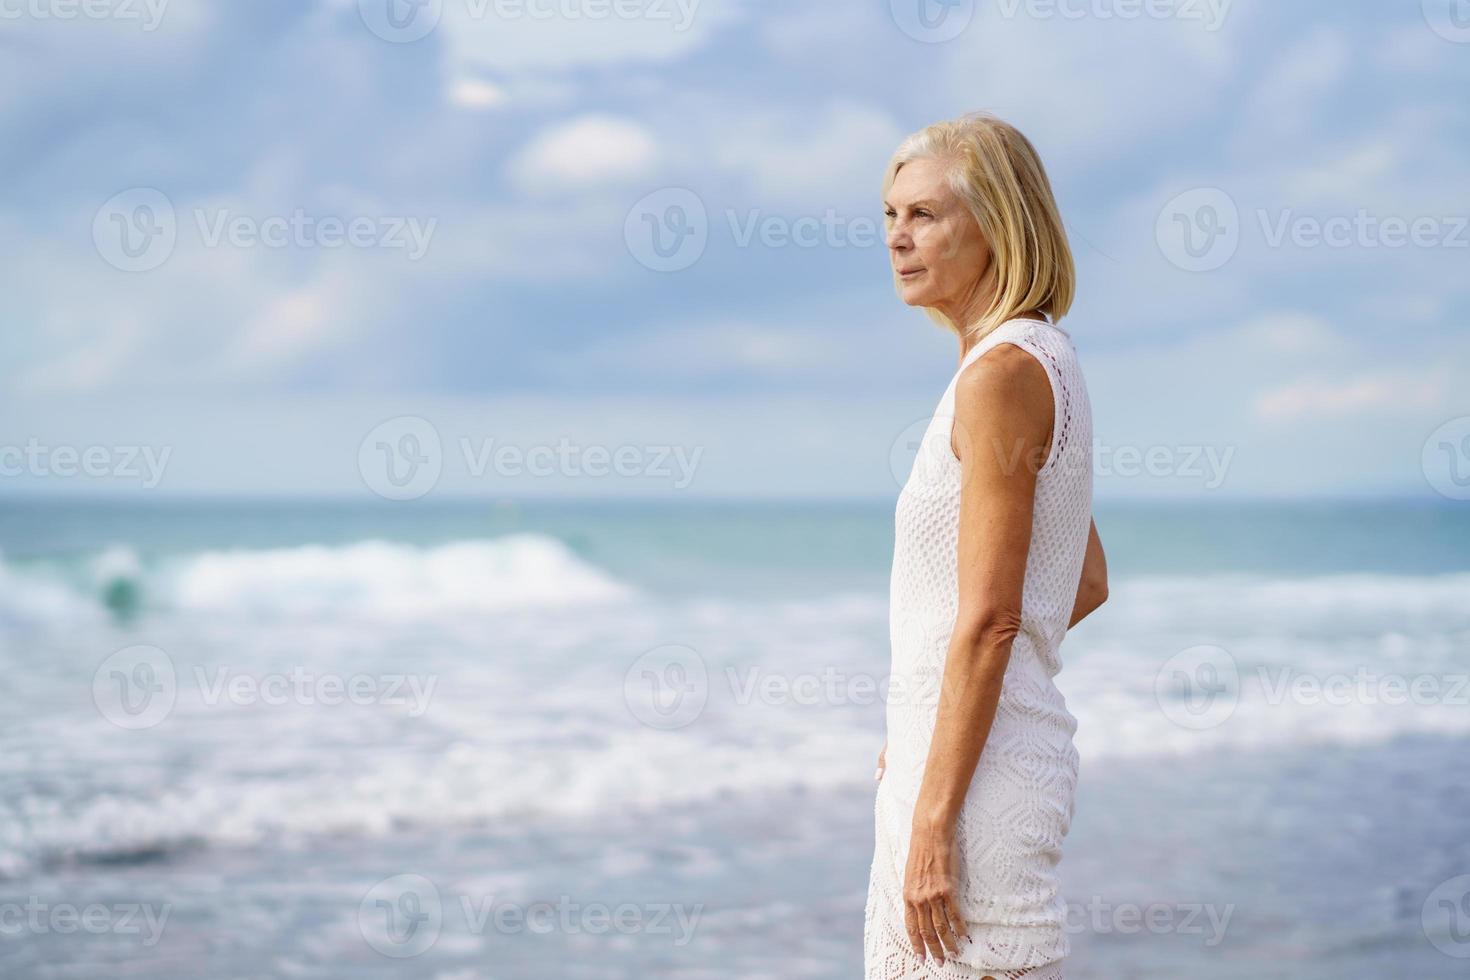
x=634, y=247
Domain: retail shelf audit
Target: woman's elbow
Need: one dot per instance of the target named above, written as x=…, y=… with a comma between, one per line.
x=989, y=630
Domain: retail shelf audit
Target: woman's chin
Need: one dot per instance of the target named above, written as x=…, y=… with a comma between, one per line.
x=912, y=295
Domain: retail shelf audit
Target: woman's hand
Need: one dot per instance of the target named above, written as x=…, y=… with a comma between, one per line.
x=931, y=912
x=882, y=763
x=1092, y=585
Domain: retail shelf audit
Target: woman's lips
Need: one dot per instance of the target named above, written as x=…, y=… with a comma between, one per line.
x=908, y=273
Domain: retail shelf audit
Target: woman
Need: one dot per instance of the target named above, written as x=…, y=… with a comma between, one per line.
x=995, y=557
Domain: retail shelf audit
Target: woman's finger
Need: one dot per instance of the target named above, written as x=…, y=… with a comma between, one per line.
x=925, y=914
x=961, y=927
x=943, y=926
x=911, y=926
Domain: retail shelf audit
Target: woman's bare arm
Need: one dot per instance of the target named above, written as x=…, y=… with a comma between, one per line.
x=1092, y=588
x=1003, y=422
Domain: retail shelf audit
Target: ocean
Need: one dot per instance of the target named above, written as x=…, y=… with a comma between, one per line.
x=485, y=739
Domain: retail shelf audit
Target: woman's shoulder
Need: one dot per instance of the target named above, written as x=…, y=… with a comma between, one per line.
x=1006, y=377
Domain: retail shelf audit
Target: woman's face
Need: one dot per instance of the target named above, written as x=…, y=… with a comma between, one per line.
x=940, y=257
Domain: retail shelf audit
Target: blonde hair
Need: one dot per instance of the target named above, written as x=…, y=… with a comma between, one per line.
x=997, y=173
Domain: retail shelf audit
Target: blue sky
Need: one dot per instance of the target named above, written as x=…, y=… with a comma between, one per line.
x=181, y=180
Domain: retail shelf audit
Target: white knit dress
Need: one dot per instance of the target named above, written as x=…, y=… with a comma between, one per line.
x=1019, y=804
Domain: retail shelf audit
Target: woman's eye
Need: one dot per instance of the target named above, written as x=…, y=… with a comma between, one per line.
x=923, y=214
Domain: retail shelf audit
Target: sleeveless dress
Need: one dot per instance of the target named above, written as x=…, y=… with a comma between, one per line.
x=1019, y=805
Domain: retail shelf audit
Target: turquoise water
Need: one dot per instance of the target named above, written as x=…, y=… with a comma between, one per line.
x=171, y=739
x=743, y=544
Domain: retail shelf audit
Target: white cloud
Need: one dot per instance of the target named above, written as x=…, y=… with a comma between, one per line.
x=1355, y=172
x=796, y=31
x=472, y=93
x=222, y=315
x=591, y=151
x=291, y=326
x=851, y=342
x=1292, y=333
x=713, y=348
x=1409, y=48
x=1291, y=93
x=540, y=36
x=1090, y=90
x=525, y=241
x=1369, y=394
x=77, y=56
x=85, y=360
x=807, y=158
x=1396, y=163
x=793, y=113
